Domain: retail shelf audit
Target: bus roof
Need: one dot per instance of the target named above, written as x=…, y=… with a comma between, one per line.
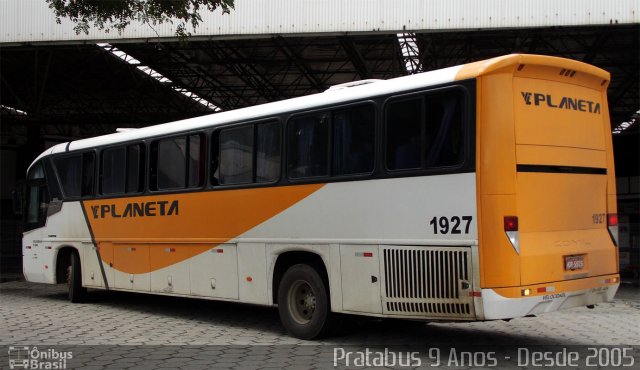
x=485, y=67
x=334, y=96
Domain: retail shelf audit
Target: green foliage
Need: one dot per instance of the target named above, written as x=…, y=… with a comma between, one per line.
x=118, y=14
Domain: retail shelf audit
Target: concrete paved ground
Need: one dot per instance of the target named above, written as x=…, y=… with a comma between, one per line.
x=122, y=330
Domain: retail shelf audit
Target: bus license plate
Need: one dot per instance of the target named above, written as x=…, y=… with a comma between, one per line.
x=573, y=262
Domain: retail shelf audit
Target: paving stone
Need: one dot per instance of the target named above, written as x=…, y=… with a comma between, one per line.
x=117, y=330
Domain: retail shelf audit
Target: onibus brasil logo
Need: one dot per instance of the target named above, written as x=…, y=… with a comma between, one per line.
x=25, y=357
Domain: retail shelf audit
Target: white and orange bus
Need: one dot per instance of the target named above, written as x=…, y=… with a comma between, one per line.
x=477, y=192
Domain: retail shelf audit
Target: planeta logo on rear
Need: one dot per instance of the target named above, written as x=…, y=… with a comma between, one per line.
x=565, y=102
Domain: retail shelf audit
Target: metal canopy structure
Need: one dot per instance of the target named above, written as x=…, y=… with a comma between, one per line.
x=240, y=73
x=77, y=91
x=81, y=86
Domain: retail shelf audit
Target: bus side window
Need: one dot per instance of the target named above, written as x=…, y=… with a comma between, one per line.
x=119, y=179
x=69, y=171
x=268, y=152
x=353, y=140
x=236, y=155
x=426, y=131
x=171, y=163
x=215, y=158
x=135, y=168
x=76, y=174
x=445, y=141
x=88, y=173
x=195, y=161
x=247, y=154
x=177, y=163
x=404, y=130
x=112, y=171
x=308, y=141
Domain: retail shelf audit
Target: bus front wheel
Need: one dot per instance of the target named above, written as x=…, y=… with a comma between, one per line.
x=303, y=303
x=74, y=280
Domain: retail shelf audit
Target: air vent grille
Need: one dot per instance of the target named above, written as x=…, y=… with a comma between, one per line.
x=427, y=281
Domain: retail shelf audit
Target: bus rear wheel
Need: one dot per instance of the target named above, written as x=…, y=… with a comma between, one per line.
x=77, y=293
x=303, y=303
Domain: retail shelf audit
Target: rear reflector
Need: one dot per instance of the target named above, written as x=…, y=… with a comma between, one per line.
x=612, y=225
x=364, y=254
x=511, y=229
x=510, y=223
x=546, y=289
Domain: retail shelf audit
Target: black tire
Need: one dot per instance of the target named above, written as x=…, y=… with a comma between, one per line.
x=303, y=303
x=74, y=280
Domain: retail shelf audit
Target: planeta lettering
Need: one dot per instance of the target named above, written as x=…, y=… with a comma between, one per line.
x=137, y=209
x=565, y=102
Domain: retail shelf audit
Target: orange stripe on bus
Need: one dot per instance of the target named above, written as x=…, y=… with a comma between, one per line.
x=143, y=234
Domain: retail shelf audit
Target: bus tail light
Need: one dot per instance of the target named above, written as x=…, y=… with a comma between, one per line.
x=612, y=225
x=511, y=229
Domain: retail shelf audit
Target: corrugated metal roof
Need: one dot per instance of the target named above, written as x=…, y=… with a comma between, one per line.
x=32, y=21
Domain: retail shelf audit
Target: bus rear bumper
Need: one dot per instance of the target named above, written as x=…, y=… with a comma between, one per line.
x=506, y=303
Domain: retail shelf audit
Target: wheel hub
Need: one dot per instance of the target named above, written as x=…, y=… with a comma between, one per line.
x=302, y=302
x=309, y=301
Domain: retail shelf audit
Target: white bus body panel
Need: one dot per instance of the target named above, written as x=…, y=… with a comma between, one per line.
x=387, y=211
x=214, y=273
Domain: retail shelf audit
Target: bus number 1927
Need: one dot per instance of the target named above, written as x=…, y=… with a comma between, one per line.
x=445, y=225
